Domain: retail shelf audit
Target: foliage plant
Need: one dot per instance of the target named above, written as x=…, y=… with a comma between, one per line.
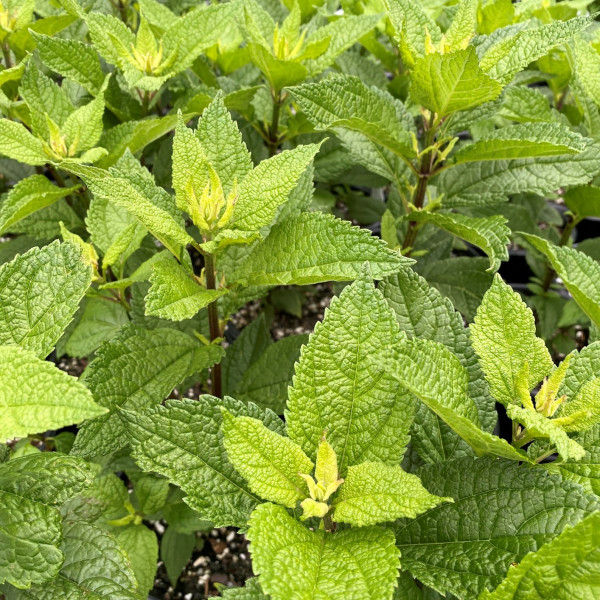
x=165, y=165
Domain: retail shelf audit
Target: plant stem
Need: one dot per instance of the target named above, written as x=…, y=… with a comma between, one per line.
x=60, y=182
x=213, y=322
x=419, y=194
x=328, y=523
x=273, y=142
x=6, y=53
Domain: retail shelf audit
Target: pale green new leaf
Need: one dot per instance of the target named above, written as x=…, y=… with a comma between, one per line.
x=446, y=83
x=269, y=462
x=36, y=396
x=95, y=568
x=72, y=59
x=568, y=567
x=337, y=389
x=504, y=338
x=314, y=247
x=27, y=196
x=542, y=427
x=174, y=294
x=346, y=102
x=523, y=141
x=39, y=294
x=136, y=370
x=31, y=487
x=580, y=274
x=268, y=186
x=183, y=441
x=490, y=182
x=510, y=55
x=17, y=143
x=294, y=562
x=373, y=493
x=435, y=375
x=501, y=511
x=488, y=233
x=250, y=591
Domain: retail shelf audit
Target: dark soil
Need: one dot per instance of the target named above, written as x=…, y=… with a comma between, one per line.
x=224, y=561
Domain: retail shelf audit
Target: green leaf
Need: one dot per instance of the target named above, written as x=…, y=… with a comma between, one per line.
x=175, y=552
x=373, y=492
x=117, y=189
x=542, y=427
x=446, y=83
x=345, y=102
x=137, y=369
x=72, y=59
x=269, y=462
x=83, y=127
x=36, y=396
x=44, y=99
x=567, y=567
x=28, y=196
x=463, y=279
x=95, y=568
x=484, y=535
x=579, y=273
x=488, y=233
x=463, y=26
x=503, y=336
x=174, y=294
x=251, y=344
x=336, y=389
x=31, y=487
x=523, y=141
x=583, y=471
x=314, y=247
x=222, y=143
x=267, y=379
x=433, y=374
x=583, y=201
x=587, y=67
x=490, y=182
x=141, y=546
x=250, y=591
x=17, y=143
x=182, y=440
x=294, y=562
x=413, y=28
x=342, y=34
x=422, y=312
x=512, y=54
x=39, y=293
x=268, y=186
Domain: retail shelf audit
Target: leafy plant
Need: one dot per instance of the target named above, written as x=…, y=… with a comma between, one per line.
x=182, y=182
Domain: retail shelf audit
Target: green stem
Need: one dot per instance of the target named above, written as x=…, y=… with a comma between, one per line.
x=6, y=53
x=213, y=322
x=273, y=143
x=420, y=191
x=328, y=523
